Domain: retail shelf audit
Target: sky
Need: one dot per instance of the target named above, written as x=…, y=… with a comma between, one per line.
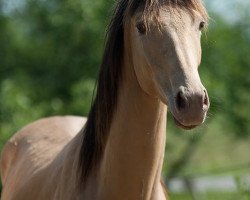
x=229, y=9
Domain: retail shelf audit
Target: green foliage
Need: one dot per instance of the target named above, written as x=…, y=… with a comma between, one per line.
x=208, y=196
x=50, y=54
x=225, y=70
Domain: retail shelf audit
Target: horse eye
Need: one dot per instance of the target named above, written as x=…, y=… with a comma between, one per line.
x=141, y=28
x=202, y=25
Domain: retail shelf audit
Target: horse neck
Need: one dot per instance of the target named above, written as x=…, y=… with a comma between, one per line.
x=133, y=157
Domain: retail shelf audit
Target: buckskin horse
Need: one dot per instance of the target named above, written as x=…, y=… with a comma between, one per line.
x=150, y=64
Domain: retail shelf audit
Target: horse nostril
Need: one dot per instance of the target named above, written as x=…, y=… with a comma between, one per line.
x=206, y=100
x=181, y=102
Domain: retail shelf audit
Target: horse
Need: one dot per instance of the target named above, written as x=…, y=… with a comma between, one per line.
x=150, y=65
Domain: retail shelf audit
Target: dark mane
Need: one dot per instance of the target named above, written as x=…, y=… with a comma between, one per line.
x=95, y=132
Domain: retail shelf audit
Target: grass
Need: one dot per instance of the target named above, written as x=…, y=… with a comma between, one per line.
x=209, y=196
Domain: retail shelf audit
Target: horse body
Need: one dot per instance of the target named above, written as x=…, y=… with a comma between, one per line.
x=32, y=161
x=150, y=64
x=43, y=156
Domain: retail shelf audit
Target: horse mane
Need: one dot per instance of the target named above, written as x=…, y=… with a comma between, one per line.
x=95, y=132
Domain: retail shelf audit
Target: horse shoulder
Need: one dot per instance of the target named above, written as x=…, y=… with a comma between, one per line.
x=7, y=157
x=31, y=150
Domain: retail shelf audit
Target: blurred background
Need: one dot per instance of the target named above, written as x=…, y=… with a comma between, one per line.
x=50, y=52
